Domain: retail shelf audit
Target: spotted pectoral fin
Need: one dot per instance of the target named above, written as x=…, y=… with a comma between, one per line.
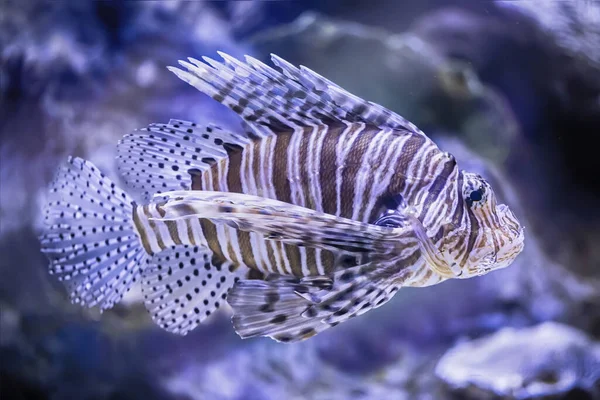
x=291, y=309
x=183, y=286
x=285, y=222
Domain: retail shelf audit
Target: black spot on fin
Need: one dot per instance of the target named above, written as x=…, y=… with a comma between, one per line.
x=89, y=236
x=185, y=285
x=292, y=309
x=165, y=157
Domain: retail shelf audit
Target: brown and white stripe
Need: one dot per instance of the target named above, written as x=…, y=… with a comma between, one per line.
x=346, y=169
x=315, y=145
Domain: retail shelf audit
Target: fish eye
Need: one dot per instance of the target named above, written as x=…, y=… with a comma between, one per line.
x=476, y=195
x=394, y=202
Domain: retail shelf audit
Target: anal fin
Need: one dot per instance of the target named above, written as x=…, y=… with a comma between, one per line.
x=185, y=285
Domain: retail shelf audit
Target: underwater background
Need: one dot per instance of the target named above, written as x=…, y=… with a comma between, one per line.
x=511, y=88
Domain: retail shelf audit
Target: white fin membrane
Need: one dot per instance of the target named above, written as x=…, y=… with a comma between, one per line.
x=89, y=237
x=185, y=285
x=165, y=157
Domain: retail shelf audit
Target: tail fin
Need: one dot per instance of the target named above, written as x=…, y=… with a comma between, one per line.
x=90, y=237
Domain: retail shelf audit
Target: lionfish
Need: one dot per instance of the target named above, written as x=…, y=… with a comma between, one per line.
x=318, y=211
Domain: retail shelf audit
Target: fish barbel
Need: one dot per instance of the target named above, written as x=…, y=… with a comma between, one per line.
x=320, y=211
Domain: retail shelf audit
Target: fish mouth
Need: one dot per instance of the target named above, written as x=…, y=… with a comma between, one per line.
x=508, y=243
x=514, y=237
x=510, y=225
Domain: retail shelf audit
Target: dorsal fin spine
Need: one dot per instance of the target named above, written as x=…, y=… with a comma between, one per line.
x=283, y=99
x=216, y=76
x=297, y=95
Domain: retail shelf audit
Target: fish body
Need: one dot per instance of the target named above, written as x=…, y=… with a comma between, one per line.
x=348, y=170
x=320, y=211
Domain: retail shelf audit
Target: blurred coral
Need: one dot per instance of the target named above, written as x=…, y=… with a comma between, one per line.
x=547, y=360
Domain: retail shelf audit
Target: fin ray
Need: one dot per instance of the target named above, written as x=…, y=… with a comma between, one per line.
x=286, y=222
x=165, y=157
x=293, y=96
x=89, y=237
x=291, y=310
x=185, y=285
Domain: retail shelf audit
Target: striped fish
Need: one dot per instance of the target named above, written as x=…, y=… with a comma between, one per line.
x=320, y=211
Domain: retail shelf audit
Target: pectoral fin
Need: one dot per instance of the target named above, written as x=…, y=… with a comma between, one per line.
x=291, y=309
x=287, y=223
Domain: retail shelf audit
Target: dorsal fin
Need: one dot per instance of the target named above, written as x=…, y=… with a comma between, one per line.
x=354, y=107
x=296, y=96
x=165, y=157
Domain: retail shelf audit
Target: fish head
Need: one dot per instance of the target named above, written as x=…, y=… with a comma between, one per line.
x=496, y=236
